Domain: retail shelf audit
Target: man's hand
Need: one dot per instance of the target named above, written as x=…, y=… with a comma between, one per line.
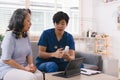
x=58, y=53
x=65, y=55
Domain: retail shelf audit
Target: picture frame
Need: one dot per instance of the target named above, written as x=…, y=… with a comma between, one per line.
x=107, y=1
x=118, y=18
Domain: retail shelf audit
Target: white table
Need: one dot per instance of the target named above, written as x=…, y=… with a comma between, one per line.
x=49, y=76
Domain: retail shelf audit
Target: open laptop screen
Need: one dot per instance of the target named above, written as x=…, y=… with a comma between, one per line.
x=72, y=69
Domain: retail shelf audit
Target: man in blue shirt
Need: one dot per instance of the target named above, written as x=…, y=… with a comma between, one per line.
x=51, y=44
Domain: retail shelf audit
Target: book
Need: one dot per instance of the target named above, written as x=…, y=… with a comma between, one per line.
x=89, y=71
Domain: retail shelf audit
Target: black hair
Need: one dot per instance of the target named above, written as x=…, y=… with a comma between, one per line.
x=16, y=22
x=29, y=11
x=60, y=16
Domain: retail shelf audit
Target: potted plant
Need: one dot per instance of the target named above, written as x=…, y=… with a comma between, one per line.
x=1, y=37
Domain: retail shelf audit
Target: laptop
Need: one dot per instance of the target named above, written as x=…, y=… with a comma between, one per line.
x=72, y=69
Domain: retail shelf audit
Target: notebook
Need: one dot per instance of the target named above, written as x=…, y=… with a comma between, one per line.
x=72, y=69
x=89, y=71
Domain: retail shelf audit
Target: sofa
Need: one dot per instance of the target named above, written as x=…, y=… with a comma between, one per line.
x=91, y=60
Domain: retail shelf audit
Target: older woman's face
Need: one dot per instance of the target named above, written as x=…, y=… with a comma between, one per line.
x=27, y=23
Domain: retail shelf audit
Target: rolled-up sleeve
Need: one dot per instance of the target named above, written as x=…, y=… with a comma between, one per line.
x=43, y=39
x=71, y=42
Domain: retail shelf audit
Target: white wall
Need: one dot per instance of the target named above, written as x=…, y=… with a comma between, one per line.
x=86, y=15
x=106, y=16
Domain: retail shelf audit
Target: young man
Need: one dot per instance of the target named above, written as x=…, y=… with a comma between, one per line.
x=51, y=44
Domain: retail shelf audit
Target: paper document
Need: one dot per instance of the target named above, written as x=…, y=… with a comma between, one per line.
x=89, y=71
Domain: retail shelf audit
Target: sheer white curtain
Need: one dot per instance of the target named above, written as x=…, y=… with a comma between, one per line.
x=45, y=9
x=6, y=9
x=42, y=13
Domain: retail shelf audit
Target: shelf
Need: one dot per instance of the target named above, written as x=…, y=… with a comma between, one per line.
x=99, y=44
x=102, y=44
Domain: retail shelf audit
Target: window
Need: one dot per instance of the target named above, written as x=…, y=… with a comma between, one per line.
x=42, y=13
x=6, y=9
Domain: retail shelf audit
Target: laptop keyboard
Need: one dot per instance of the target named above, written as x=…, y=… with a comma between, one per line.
x=69, y=73
x=72, y=72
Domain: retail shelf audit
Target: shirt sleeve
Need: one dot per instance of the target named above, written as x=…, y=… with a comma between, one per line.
x=43, y=39
x=71, y=42
x=7, y=46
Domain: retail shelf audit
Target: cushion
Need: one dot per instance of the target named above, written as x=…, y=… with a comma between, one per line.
x=90, y=66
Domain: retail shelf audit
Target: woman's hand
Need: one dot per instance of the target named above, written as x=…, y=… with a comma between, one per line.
x=30, y=68
x=27, y=68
